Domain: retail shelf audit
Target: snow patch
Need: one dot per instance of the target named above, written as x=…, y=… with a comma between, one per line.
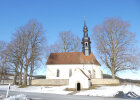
x=38, y=89
x=103, y=91
x=17, y=97
x=110, y=91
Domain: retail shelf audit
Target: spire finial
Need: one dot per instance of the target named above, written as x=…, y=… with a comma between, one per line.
x=84, y=20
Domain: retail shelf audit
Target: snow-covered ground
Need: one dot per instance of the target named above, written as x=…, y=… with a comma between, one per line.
x=103, y=91
x=17, y=97
x=111, y=91
x=38, y=89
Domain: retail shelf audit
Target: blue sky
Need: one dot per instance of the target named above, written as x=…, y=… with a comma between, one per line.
x=63, y=15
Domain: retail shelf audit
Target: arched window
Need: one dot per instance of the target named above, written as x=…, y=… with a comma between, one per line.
x=86, y=43
x=57, y=73
x=89, y=71
x=70, y=73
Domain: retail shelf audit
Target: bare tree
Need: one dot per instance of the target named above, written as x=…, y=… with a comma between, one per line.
x=69, y=42
x=33, y=46
x=54, y=48
x=114, y=44
x=25, y=51
x=4, y=67
x=15, y=57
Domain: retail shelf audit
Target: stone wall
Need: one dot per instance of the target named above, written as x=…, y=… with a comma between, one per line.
x=105, y=81
x=50, y=82
x=6, y=81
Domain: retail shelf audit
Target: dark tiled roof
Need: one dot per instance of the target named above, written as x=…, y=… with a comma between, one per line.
x=71, y=58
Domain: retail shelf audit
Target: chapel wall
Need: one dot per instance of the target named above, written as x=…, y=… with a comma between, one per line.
x=64, y=70
x=105, y=81
x=79, y=77
x=50, y=82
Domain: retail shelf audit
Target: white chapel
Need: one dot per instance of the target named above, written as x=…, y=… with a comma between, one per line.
x=77, y=68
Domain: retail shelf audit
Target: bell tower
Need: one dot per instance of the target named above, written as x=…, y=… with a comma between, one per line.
x=86, y=49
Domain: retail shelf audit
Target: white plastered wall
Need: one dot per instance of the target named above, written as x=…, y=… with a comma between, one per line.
x=64, y=70
x=79, y=77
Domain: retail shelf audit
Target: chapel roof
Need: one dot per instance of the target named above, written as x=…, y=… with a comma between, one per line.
x=72, y=58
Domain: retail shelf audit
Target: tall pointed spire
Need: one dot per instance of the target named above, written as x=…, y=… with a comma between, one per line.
x=84, y=20
x=85, y=29
x=86, y=40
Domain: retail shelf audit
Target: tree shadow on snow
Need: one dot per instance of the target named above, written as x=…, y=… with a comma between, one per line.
x=131, y=95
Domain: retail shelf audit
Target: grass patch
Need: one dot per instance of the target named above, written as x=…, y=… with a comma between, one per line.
x=23, y=86
x=97, y=86
x=45, y=85
x=70, y=89
x=111, y=84
x=138, y=85
x=94, y=87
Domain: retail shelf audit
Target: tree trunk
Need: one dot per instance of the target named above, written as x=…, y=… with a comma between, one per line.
x=4, y=77
x=20, y=76
x=30, y=80
x=15, y=76
x=2, y=74
x=31, y=73
x=25, y=76
x=113, y=75
x=0, y=77
x=30, y=77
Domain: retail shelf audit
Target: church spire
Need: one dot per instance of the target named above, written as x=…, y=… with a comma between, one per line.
x=85, y=29
x=84, y=20
x=86, y=49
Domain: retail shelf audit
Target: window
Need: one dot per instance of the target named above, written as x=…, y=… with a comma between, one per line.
x=70, y=73
x=86, y=43
x=57, y=73
x=89, y=71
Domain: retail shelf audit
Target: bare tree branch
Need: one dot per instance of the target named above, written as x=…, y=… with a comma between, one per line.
x=113, y=41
